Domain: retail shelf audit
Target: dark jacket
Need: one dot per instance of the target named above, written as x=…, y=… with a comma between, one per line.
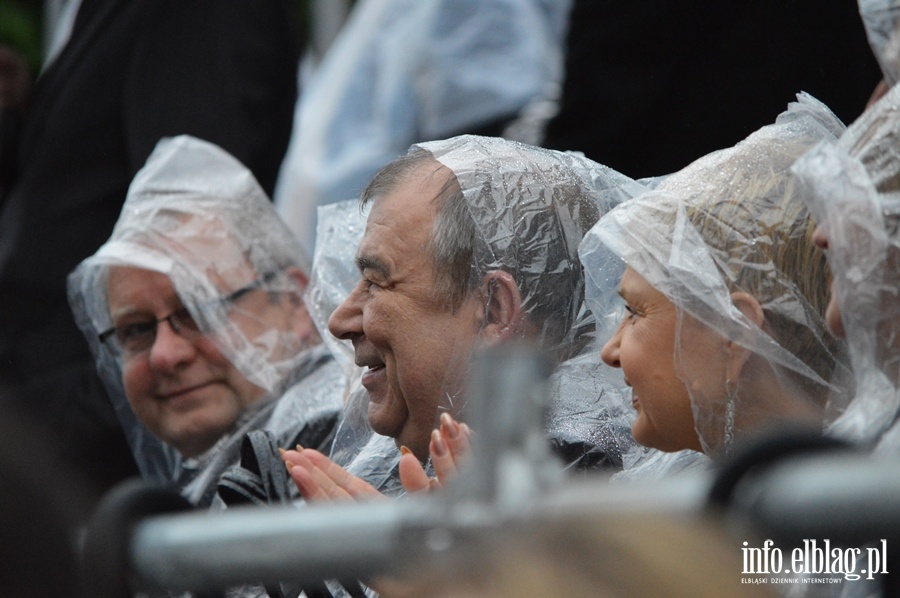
x=132, y=72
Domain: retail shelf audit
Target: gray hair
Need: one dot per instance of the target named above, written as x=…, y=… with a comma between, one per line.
x=454, y=249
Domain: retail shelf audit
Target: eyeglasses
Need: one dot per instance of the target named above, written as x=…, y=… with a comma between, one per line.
x=133, y=339
x=138, y=337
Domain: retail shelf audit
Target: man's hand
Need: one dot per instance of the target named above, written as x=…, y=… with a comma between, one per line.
x=449, y=448
x=318, y=478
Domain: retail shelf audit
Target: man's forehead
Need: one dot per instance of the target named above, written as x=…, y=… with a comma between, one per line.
x=401, y=217
x=128, y=286
x=632, y=284
x=379, y=250
x=417, y=190
x=199, y=266
x=211, y=251
x=203, y=237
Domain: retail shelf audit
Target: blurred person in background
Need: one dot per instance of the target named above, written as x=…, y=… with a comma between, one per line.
x=404, y=71
x=651, y=85
x=881, y=19
x=853, y=188
x=122, y=74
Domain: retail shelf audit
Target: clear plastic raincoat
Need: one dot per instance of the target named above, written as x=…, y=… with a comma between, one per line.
x=402, y=71
x=733, y=222
x=853, y=190
x=356, y=447
x=881, y=19
x=526, y=210
x=196, y=215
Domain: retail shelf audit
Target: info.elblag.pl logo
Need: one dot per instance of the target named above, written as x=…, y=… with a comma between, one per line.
x=814, y=558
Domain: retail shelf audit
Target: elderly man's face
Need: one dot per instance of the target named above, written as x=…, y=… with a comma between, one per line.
x=182, y=387
x=414, y=349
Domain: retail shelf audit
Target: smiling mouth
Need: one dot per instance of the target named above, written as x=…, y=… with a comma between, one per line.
x=370, y=368
x=371, y=377
x=369, y=360
x=183, y=392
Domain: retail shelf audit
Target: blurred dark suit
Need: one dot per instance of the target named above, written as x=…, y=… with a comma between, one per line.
x=132, y=72
x=652, y=85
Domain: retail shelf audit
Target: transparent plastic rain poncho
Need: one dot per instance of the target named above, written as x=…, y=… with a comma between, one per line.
x=356, y=447
x=853, y=190
x=403, y=71
x=881, y=19
x=530, y=208
x=733, y=221
x=197, y=215
x=334, y=271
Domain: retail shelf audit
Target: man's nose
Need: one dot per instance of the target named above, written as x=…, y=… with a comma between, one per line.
x=170, y=349
x=346, y=321
x=610, y=352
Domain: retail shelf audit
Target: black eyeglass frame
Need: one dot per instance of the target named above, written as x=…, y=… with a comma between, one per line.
x=183, y=312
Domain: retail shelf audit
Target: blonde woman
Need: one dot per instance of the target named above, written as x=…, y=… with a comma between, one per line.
x=723, y=331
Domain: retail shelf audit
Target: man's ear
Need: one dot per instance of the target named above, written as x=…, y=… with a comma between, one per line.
x=502, y=306
x=739, y=353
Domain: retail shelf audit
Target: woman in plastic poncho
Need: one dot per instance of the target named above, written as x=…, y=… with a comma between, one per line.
x=722, y=332
x=194, y=311
x=853, y=190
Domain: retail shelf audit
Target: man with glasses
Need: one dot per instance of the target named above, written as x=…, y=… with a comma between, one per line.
x=194, y=313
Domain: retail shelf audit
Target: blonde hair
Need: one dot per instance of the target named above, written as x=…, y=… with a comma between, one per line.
x=759, y=234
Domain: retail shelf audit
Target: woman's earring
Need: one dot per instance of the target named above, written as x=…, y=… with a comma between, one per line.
x=730, y=406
